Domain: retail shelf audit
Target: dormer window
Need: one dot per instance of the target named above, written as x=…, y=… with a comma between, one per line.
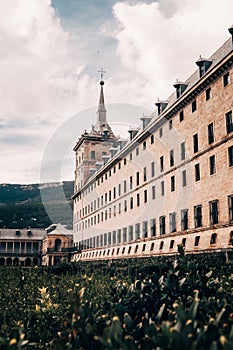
x=203, y=65
x=17, y=232
x=180, y=87
x=145, y=121
x=161, y=105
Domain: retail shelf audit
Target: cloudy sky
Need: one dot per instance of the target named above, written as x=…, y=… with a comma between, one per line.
x=50, y=54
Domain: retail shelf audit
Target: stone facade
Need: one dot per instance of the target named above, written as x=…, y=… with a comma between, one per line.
x=172, y=182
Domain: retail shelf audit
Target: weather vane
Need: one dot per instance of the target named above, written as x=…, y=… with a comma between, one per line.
x=102, y=72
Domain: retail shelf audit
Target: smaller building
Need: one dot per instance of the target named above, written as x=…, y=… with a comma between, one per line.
x=21, y=247
x=57, y=245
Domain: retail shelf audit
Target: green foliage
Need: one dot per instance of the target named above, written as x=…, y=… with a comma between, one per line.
x=162, y=304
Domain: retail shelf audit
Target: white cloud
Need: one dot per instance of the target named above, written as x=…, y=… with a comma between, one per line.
x=161, y=42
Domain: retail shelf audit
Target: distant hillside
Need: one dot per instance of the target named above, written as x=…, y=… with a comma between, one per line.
x=22, y=206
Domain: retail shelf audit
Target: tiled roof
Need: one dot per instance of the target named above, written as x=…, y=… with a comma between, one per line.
x=28, y=234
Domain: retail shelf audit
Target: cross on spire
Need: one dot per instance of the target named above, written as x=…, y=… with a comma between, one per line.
x=102, y=72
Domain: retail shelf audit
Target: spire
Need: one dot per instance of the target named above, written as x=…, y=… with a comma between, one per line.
x=101, y=112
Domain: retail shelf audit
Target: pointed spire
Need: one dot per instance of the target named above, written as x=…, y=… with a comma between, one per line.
x=101, y=112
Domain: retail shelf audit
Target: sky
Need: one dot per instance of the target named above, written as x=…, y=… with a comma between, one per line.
x=50, y=55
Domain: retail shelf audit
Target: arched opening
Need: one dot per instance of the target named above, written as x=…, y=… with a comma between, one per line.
x=58, y=245
x=9, y=262
x=35, y=261
x=27, y=262
x=16, y=262
x=2, y=262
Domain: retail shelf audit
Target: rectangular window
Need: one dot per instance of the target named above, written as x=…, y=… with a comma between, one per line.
x=197, y=241
x=138, y=199
x=130, y=156
x=230, y=208
x=144, y=174
x=137, y=231
x=208, y=94
x=182, y=151
x=184, y=219
x=162, y=188
x=183, y=242
x=213, y=205
x=194, y=106
x=119, y=165
x=145, y=229
x=119, y=208
x=137, y=178
x=184, y=178
x=144, y=145
x=152, y=139
x=226, y=79
x=145, y=196
x=181, y=116
x=211, y=133
x=198, y=216
x=153, y=192
x=125, y=205
x=160, y=132
x=119, y=236
x=195, y=143
x=212, y=165
x=171, y=246
x=125, y=186
x=124, y=234
x=153, y=227
x=170, y=124
x=137, y=151
x=162, y=228
x=119, y=189
x=114, y=192
x=197, y=172
x=92, y=154
x=213, y=238
x=124, y=161
x=171, y=157
x=152, y=169
x=131, y=203
x=172, y=222
x=229, y=122
x=230, y=155
x=161, y=164
x=130, y=182
x=130, y=233
x=172, y=183
x=110, y=196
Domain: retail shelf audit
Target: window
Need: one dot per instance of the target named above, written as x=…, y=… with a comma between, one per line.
x=144, y=174
x=119, y=236
x=152, y=169
x=226, y=79
x=172, y=222
x=170, y=124
x=153, y=227
x=119, y=208
x=138, y=199
x=119, y=165
x=171, y=244
x=182, y=150
x=184, y=219
x=130, y=182
x=130, y=233
x=152, y=139
x=131, y=203
x=124, y=234
x=230, y=155
x=171, y=157
x=137, y=178
x=92, y=154
x=162, y=227
x=172, y=183
x=137, y=151
x=143, y=247
x=137, y=231
x=114, y=169
x=160, y=132
x=184, y=178
x=208, y=94
x=136, y=249
x=144, y=145
x=210, y=133
x=213, y=238
x=114, y=192
x=161, y=164
x=119, y=189
x=162, y=188
x=152, y=246
x=194, y=106
x=213, y=212
x=195, y=143
x=229, y=122
x=183, y=242
x=125, y=186
x=198, y=216
x=130, y=156
x=230, y=208
x=197, y=172
x=144, y=229
x=197, y=241
x=153, y=192
x=212, y=165
x=161, y=245
x=125, y=205
x=145, y=196
x=124, y=161
x=181, y=116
